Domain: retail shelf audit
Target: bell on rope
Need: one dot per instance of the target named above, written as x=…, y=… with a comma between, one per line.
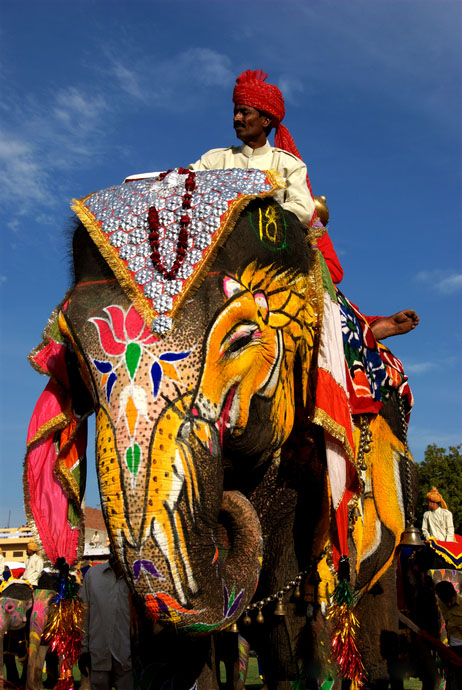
x=247, y=619
x=259, y=617
x=234, y=628
x=280, y=608
x=297, y=593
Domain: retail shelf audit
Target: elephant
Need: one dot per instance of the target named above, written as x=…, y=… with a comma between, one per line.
x=193, y=330
x=15, y=602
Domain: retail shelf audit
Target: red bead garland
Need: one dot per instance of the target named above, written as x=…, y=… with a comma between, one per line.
x=185, y=221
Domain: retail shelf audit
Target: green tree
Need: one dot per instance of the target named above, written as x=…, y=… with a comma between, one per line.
x=441, y=468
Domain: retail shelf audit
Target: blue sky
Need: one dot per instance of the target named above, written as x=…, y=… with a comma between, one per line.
x=95, y=90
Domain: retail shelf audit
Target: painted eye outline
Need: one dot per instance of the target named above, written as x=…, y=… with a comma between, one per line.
x=244, y=334
x=10, y=607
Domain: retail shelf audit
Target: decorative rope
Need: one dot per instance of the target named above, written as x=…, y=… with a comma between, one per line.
x=292, y=584
x=409, y=509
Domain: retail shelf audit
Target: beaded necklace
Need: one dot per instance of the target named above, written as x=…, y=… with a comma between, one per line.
x=183, y=236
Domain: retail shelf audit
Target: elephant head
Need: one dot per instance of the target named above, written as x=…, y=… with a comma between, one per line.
x=15, y=601
x=173, y=407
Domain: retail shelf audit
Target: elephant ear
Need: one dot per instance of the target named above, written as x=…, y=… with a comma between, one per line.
x=54, y=466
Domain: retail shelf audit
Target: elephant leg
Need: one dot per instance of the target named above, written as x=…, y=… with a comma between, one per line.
x=34, y=668
x=155, y=659
x=1, y=661
x=242, y=664
x=233, y=651
x=378, y=634
x=85, y=682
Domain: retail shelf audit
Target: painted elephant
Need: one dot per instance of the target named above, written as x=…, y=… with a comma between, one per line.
x=15, y=601
x=193, y=331
x=37, y=652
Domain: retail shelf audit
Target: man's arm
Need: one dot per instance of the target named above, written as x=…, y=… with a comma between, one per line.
x=425, y=531
x=211, y=160
x=449, y=527
x=297, y=197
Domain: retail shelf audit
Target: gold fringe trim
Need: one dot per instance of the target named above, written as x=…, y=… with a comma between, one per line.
x=14, y=581
x=322, y=419
x=46, y=338
x=58, y=422
x=123, y=275
x=84, y=370
x=314, y=234
x=315, y=295
x=444, y=555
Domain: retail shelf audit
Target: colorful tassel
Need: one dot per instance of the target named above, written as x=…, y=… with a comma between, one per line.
x=344, y=635
x=64, y=628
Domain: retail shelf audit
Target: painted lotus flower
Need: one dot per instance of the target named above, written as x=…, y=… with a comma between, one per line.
x=124, y=337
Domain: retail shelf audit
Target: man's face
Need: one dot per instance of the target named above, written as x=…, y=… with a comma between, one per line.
x=432, y=505
x=249, y=124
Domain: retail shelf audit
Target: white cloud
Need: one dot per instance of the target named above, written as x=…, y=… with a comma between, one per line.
x=43, y=138
x=420, y=367
x=290, y=87
x=3, y=279
x=77, y=111
x=445, y=282
x=21, y=175
x=450, y=284
x=129, y=81
x=180, y=79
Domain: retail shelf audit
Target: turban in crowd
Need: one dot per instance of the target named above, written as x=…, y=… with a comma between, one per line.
x=435, y=496
x=251, y=89
x=32, y=546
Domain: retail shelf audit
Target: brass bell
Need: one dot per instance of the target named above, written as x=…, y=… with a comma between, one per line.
x=411, y=537
x=280, y=608
x=247, y=619
x=297, y=593
x=234, y=628
x=259, y=617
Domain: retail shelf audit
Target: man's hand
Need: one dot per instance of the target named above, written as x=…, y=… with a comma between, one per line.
x=397, y=324
x=85, y=663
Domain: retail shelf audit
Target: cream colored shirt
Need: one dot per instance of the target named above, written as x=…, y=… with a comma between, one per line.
x=438, y=524
x=295, y=198
x=34, y=567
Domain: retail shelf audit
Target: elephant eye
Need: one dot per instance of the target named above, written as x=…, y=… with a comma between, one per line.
x=243, y=335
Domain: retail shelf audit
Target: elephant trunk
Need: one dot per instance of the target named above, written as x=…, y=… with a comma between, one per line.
x=225, y=564
x=163, y=520
x=226, y=589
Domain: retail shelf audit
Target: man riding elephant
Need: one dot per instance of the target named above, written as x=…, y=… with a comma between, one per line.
x=437, y=520
x=258, y=108
x=34, y=564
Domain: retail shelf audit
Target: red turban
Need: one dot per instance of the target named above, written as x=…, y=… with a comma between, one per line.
x=251, y=89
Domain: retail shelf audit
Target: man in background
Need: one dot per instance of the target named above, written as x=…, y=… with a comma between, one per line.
x=34, y=564
x=437, y=520
x=451, y=607
x=106, y=654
